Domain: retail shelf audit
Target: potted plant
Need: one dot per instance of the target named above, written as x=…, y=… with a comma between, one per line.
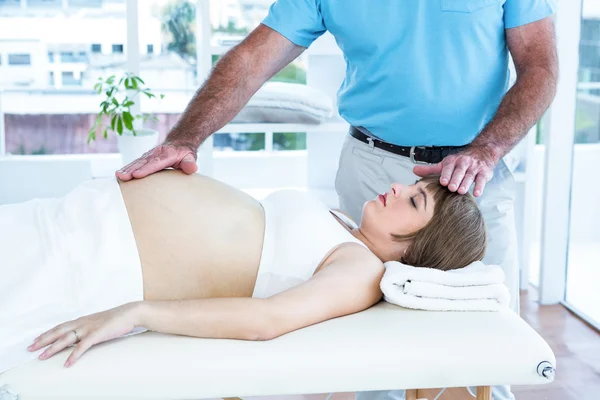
x=119, y=96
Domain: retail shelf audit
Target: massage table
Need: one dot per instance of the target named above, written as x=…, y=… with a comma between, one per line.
x=384, y=347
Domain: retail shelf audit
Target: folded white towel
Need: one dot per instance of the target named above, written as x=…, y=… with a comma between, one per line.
x=477, y=287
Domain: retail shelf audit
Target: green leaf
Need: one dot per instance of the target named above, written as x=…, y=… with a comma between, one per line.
x=134, y=84
x=110, y=80
x=162, y=96
x=128, y=83
x=115, y=102
x=150, y=95
x=98, y=88
x=113, y=122
x=105, y=133
x=120, y=125
x=137, y=78
x=128, y=103
x=128, y=120
x=91, y=135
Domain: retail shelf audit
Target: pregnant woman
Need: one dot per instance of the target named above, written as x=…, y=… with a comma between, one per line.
x=189, y=255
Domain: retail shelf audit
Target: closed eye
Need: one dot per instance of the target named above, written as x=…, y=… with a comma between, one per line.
x=412, y=200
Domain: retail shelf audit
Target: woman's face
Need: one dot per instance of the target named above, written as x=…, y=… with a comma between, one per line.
x=402, y=210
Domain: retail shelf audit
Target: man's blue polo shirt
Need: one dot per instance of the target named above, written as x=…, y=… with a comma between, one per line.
x=419, y=72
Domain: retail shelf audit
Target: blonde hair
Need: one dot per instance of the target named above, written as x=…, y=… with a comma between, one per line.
x=453, y=238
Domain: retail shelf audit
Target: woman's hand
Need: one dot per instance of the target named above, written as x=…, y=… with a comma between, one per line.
x=86, y=332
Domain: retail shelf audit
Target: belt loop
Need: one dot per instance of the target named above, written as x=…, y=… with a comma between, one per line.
x=371, y=142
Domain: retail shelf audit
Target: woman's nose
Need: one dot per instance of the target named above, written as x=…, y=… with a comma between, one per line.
x=397, y=188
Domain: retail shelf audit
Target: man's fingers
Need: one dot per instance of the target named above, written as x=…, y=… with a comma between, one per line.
x=125, y=173
x=153, y=164
x=460, y=168
x=467, y=181
x=480, y=183
x=188, y=164
x=157, y=159
x=425, y=170
x=447, y=170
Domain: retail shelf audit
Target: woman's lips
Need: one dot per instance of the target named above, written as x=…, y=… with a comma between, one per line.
x=383, y=198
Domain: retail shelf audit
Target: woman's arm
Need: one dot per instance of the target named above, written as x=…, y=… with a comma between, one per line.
x=348, y=283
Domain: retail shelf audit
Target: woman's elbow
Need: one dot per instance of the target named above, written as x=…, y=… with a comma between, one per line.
x=265, y=329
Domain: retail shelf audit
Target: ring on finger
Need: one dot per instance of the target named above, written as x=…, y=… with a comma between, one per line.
x=77, y=338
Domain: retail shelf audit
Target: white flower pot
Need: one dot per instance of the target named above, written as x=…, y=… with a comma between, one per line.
x=132, y=147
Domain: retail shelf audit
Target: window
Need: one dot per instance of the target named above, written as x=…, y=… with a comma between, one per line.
x=117, y=48
x=19, y=59
x=150, y=49
x=239, y=141
x=584, y=237
x=69, y=98
x=289, y=141
x=13, y=3
x=44, y=3
x=85, y=3
x=69, y=79
x=67, y=56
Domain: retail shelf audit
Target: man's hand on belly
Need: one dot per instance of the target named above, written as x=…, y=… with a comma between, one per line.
x=459, y=171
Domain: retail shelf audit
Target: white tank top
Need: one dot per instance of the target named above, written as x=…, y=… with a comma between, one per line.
x=299, y=232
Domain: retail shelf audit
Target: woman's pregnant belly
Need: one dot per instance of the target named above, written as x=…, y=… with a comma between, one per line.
x=196, y=237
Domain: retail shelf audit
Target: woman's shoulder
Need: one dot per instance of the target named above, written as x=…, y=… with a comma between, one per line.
x=353, y=254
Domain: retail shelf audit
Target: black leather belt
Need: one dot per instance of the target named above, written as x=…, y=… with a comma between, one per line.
x=417, y=154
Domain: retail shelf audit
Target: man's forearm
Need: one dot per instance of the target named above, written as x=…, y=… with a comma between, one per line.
x=229, y=87
x=233, y=81
x=522, y=106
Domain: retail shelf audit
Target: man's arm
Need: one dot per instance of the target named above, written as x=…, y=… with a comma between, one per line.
x=232, y=82
x=533, y=48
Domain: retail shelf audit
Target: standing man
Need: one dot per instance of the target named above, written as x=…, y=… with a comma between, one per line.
x=425, y=93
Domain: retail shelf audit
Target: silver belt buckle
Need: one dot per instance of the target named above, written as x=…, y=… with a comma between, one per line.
x=412, y=155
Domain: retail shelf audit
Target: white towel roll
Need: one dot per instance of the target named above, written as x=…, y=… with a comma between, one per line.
x=477, y=287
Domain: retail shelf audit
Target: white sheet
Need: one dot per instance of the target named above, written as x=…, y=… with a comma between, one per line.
x=385, y=347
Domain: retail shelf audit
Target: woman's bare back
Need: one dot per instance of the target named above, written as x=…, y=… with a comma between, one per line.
x=197, y=237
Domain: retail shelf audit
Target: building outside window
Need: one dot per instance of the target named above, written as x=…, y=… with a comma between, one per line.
x=69, y=79
x=19, y=59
